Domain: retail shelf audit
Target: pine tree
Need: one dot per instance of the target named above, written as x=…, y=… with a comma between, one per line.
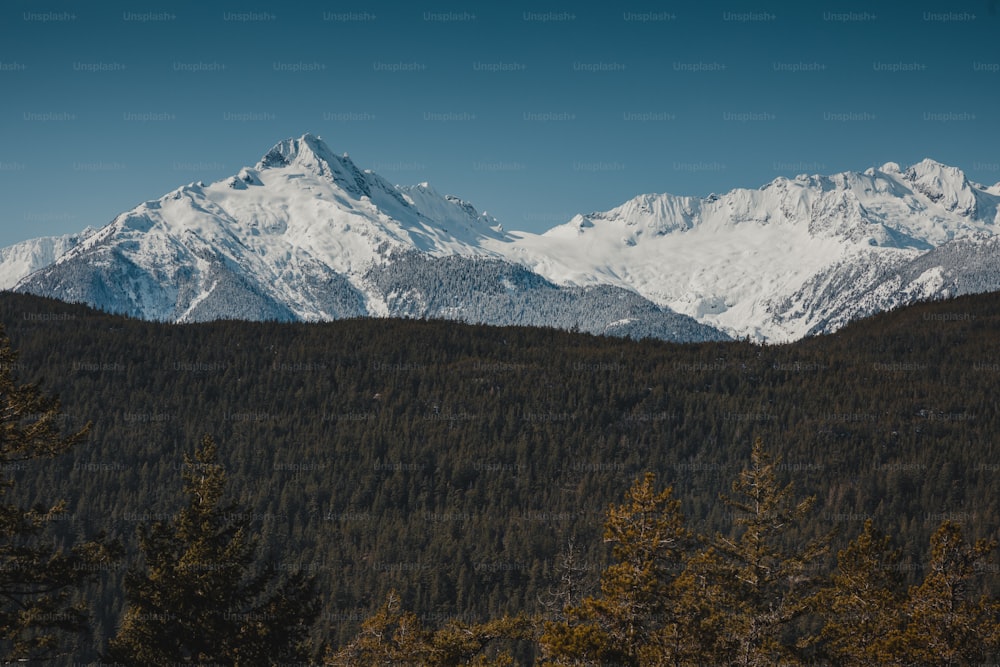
x=700, y=631
x=635, y=618
x=765, y=586
x=387, y=638
x=862, y=606
x=393, y=637
x=197, y=598
x=38, y=579
x=945, y=625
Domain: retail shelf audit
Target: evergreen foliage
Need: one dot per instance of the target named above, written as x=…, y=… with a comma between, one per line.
x=40, y=578
x=664, y=602
x=766, y=583
x=393, y=637
x=197, y=599
x=946, y=623
x=861, y=604
x=492, y=291
x=454, y=463
x=638, y=606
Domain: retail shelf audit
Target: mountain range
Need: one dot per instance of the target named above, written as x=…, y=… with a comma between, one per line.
x=307, y=235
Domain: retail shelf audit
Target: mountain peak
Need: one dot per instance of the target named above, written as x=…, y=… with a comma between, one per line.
x=943, y=185
x=310, y=154
x=307, y=150
x=928, y=168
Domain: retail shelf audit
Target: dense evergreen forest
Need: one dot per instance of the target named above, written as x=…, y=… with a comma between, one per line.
x=460, y=471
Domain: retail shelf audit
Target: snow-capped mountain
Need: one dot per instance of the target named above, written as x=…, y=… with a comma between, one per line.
x=21, y=259
x=307, y=235
x=795, y=257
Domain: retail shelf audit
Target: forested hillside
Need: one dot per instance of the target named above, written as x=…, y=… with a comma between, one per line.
x=457, y=464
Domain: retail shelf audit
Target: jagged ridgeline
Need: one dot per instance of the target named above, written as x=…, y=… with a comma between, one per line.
x=455, y=463
x=308, y=235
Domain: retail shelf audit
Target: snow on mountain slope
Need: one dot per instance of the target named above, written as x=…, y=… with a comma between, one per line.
x=963, y=266
x=494, y=291
x=771, y=263
x=307, y=235
x=21, y=259
x=290, y=238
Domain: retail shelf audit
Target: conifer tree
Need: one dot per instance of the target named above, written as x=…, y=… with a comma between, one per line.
x=946, y=625
x=638, y=605
x=862, y=606
x=700, y=630
x=197, y=597
x=38, y=578
x=389, y=637
x=393, y=637
x=765, y=586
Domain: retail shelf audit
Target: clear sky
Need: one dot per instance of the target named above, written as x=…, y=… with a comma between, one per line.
x=532, y=112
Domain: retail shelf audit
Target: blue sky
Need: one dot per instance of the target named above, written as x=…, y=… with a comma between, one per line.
x=532, y=112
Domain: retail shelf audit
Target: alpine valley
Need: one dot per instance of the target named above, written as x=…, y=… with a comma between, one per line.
x=306, y=235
